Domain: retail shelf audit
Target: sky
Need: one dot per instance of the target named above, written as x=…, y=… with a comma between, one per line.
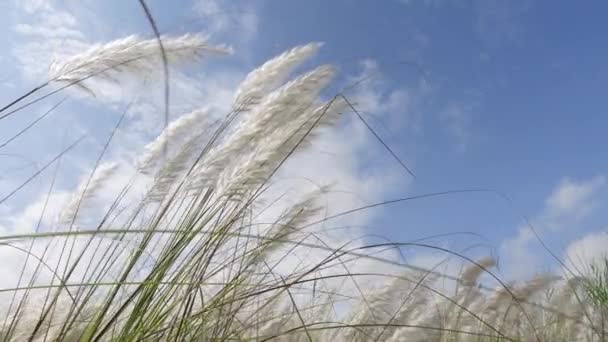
x=506, y=96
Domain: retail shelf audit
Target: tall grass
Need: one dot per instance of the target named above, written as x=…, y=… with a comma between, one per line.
x=191, y=259
x=597, y=282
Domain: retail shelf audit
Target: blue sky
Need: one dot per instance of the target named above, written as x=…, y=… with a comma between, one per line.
x=506, y=95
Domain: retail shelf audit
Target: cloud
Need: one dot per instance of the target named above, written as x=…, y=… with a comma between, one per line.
x=386, y=107
x=47, y=33
x=496, y=22
x=457, y=119
x=32, y=6
x=569, y=203
x=518, y=258
x=591, y=249
x=500, y=22
x=27, y=220
x=573, y=199
x=372, y=94
x=234, y=19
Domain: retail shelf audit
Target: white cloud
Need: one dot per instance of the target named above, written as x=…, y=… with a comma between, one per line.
x=589, y=250
x=388, y=109
x=27, y=220
x=236, y=18
x=568, y=203
x=371, y=94
x=573, y=199
x=518, y=257
x=47, y=32
x=51, y=33
x=31, y=6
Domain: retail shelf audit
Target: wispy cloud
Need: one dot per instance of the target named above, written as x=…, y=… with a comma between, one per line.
x=457, y=119
x=500, y=22
x=385, y=105
x=496, y=22
x=236, y=18
x=47, y=33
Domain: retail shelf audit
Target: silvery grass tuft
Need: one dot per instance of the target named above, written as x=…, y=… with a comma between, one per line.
x=133, y=55
x=200, y=253
x=113, y=61
x=87, y=189
x=272, y=73
x=181, y=128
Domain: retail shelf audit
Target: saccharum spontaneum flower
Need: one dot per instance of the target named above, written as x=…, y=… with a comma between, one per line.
x=131, y=55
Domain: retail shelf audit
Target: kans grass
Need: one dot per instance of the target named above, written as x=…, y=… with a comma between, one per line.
x=189, y=259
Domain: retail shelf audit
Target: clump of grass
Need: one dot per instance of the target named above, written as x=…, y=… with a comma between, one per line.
x=596, y=287
x=597, y=283
x=190, y=260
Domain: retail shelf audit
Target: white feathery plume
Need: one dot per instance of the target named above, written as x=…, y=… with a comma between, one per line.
x=133, y=55
x=502, y=308
x=282, y=107
x=466, y=295
x=265, y=128
x=288, y=224
x=86, y=191
x=184, y=126
x=172, y=171
x=459, y=318
x=255, y=168
x=565, y=297
x=272, y=74
x=422, y=308
x=500, y=296
x=288, y=102
x=534, y=285
x=382, y=304
x=471, y=273
x=275, y=318
x=430, y=317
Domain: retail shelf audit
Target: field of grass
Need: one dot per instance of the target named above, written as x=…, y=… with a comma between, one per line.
x=194, y=248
